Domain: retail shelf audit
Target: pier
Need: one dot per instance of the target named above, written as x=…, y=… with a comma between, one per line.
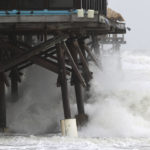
x=59, y=46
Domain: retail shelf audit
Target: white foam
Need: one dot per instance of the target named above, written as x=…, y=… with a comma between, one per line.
x=120, y=99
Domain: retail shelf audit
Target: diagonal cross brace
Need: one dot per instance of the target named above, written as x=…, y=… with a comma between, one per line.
x=34, y=51
x=74, y=66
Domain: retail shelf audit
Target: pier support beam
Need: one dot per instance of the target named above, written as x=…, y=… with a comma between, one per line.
x=81, y=117
x=63, y=81
x=2, y=104
x=78, y=89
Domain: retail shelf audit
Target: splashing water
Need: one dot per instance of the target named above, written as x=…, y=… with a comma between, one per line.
x=120, y=98
x=119, y=105
x=39, y=110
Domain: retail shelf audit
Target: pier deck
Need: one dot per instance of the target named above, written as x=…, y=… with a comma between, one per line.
x=50, y=23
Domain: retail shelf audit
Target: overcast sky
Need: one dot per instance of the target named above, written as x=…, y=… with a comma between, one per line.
x=137, y=16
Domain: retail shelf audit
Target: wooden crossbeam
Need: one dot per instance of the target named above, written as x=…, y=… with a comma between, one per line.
x=83, y=60
x=47, y=64
x=74, y=66
x=77, y=83
x=24, y=66
x=34, y=51
x=27, y=47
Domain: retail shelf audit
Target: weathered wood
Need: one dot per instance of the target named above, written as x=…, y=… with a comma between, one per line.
x=33, y=28
x=2, y=103
x=24, y=66
x=63, y=81
x=45, y=19
x=54, y=19
x=50, y=56
x=35, y=51
x=74, y=66
x=78, y=89
x=50, y=51
x=47, y=64
x=83, y=60
x=28, y=47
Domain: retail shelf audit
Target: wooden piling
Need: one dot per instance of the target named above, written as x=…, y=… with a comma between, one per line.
x=96, y=45
x=81, y=118
x=78, y=88
x=2, y=104
x=63, y=81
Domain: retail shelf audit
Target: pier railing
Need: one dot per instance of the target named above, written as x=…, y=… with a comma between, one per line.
x=98, y=5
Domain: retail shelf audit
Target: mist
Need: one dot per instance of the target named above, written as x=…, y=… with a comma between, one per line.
x=40, y=107
x=119, y=105
x=136, y=14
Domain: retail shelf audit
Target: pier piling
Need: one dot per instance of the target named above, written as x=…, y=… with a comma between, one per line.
x=2, y=103
x=63, y=80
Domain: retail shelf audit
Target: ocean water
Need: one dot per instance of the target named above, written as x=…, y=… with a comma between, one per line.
x=54, y=142
x=118, y=109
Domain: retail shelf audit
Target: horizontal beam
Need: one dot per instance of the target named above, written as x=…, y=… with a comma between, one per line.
x=34, y=51
x=46, y=18
x=24, y=66
x=46, y=64
x=60, y=19
x=58, y=22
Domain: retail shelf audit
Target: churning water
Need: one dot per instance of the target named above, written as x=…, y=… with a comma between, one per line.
x=120, y=97
x=118, y=109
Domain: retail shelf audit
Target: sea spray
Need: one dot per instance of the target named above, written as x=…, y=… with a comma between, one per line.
x=120, y=98
x=119, y=104
x=39, y=110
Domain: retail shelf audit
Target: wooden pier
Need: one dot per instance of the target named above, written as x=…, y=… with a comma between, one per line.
x=60, y=47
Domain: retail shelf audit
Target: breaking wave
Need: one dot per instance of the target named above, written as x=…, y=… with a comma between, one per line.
x=120, y=97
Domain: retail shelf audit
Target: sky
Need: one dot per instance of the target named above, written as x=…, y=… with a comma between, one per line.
x=137, y=16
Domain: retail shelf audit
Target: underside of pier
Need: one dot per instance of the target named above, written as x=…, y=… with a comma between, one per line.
x=59, y=45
